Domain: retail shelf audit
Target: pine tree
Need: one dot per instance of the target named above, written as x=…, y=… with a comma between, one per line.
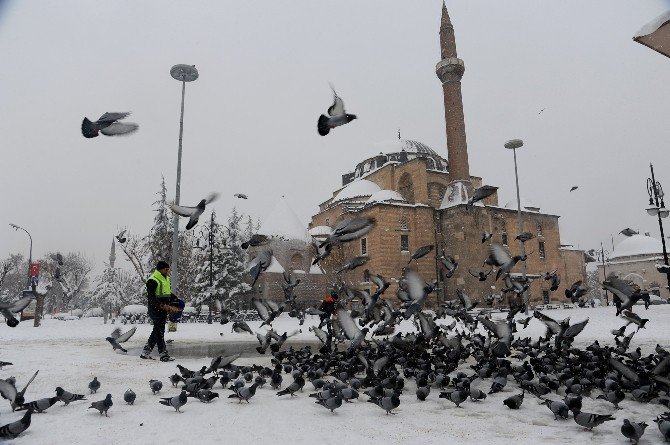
x=235, y=258
x=160, y=236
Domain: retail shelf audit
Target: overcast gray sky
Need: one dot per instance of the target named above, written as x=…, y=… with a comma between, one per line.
x=250, y=122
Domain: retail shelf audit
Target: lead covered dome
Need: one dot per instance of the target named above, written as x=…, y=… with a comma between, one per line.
x=638, y=245
x=361, y=188
x=400, y=151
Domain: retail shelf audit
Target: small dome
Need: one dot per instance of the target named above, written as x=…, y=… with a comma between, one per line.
x=526, y=204
x=638, y=245
x=317, y=231
x=385, y=195
x=356, y=189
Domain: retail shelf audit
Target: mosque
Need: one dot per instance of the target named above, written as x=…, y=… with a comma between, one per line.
x=418, y=198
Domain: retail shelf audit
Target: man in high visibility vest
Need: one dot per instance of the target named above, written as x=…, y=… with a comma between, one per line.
x=159, y=295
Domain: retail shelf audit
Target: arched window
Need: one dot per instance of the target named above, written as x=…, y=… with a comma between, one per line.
x=297, y=262
x=406, y=187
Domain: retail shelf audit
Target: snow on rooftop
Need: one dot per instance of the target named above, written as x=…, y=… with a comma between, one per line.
x=275, y=266
x=283, y=222
x=385, y=195
x=397, y=145
x=357, y=188
x=638, y=245
x=315, y=269
x=320, y=231
x=653, y=25
x=526, y=204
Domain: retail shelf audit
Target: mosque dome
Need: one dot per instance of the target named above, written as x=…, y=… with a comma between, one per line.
x=399, y=151
x=638, y=245
x=357, y=189
x=385, y=196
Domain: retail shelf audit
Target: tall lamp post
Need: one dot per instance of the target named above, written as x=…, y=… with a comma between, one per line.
x=30, y=257
x=513, y=144
x=657, y=208
x=182, y=73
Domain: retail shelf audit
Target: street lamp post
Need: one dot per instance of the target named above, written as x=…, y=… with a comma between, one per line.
x=30, y=256
x=183, y=73
x=513, y=145
x=658, y=209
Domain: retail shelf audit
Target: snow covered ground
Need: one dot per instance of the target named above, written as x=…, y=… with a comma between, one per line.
x=70, y=353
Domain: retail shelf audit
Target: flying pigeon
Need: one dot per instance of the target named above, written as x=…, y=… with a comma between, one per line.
x=103, y=405
x=481, y=275
x=480, y=193
x=628, y=232
x=120, y=238
x=193, y=213
x=524, y=236
x=259, y=264
x=503, y=259
x=337, y=116
x=256, y=240
x=573, y=188
x=19, y=399
x=9, y=309
x=241, y=196
x=115, y=338
x=421, y=252
x=449, y=264
x=108, y=125
x=176, y=402
x=486, y=236
x=353, y=263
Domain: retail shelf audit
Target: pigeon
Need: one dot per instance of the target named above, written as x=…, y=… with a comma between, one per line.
x=349, y=230
x=58, y=258
x=40, y=405
x=294, y=387
x=449, y=264
x=8, y=391
x=353, y=263
x=155, y=385
x=554, y=278
x=67, y=397
x=524, y=236
x=559, y=408
x=480, y=274
x=108, y=125
x=9, y=309
x=576, y=291
x=633, y=318
x=421, y=252
x=129, y=396
x=337, y=116
x=176, y=402
x=486, y=236
x=19, y=399
x=331, y=403
x=241, y=196
x=256, y=240
x=175, y=379
x=94, y=386
x=103, y=405
x=12, y=430
x=206, y=396
x=589, y=420
x=663, y=427
x=193, y=213
x=116, y=337
x=242, y=326
x=456, y=396
x=386, y=403
x=480, y=193
x=514, y=402
x=422, y=392
x=573, y=188
x=259, y=264
x=244, y=393
x=633, y=430
x=121, y=238
x=628, y=232
x=3, y=364
x=503, y=259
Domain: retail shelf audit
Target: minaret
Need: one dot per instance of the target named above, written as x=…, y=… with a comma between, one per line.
x=450, y=71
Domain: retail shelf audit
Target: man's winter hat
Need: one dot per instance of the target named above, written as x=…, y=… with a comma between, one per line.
x=162, y=265
x=334, y=295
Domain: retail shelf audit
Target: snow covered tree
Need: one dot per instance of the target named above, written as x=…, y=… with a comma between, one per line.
x=159, y=242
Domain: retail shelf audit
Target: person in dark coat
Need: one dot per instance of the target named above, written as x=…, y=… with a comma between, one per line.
x=328, y=307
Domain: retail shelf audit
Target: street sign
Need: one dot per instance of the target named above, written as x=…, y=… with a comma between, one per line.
x=34, y=273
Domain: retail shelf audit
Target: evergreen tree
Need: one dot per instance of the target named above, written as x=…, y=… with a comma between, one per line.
x=160, y=236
